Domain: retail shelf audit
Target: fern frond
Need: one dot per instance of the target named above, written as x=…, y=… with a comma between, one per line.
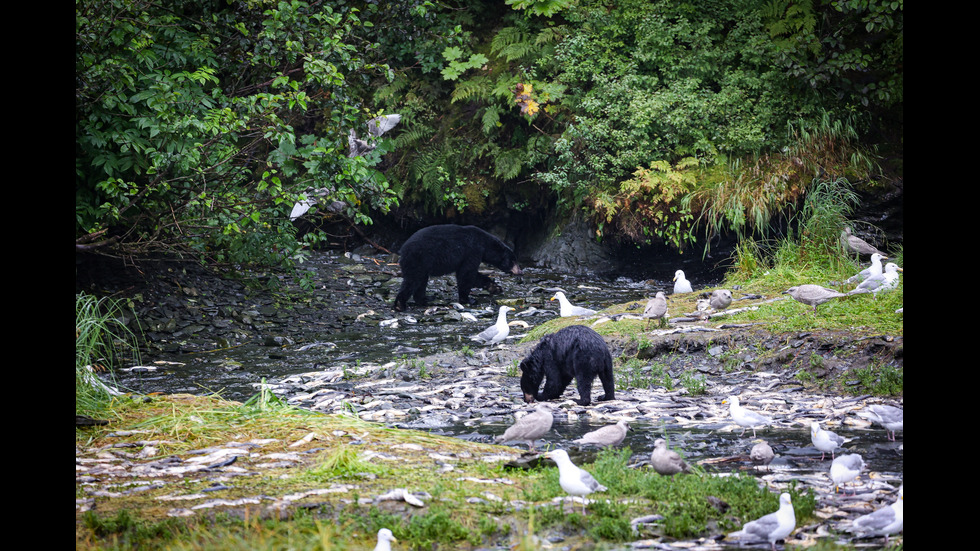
x=465, y=89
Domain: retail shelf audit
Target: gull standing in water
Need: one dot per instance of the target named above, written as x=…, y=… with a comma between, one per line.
x=889, y=417
x=745, y=418
x=607, y=436
x=825, y=440
x=496, y=332
x=530, y=427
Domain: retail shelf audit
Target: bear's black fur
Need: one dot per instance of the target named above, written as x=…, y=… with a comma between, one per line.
x=573, y=352
x=448, y=248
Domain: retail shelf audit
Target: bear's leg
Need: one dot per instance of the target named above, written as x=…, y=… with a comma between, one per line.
x=608, y=383
x=484, y=281
x=467, y=277
x=584, y=383
x=413, y=285
x=554, y=383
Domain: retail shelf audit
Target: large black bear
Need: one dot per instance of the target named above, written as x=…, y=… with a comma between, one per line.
x=573, y=352
x=448, y=248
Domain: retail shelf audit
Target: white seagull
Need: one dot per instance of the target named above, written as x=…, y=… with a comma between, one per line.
x=530, y=427
x=681, y=284
x=568, y=309
x=385, y=537
x=825, y=440
x=845, y=469
x=884, y=521
x=607, y=436
x=573, y=480
x=496, y=332
x=745, y=418
x=874, y=269
x=885, y=281
x=772, y=527
x=889, y=417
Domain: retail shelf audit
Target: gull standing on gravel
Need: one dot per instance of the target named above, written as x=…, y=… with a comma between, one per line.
x=496, y=332
x=530, y=427
x=812, y=295
x=656, y=308
x=666, y=461
x=885, y=521
x=567, y=309
x=745, y=418
x=575, y=481
x=772, y=527
x=889, y=417
x=825, y=440
x=607, y=436
x=845, y=469
x=681, y=284
x=385, y=537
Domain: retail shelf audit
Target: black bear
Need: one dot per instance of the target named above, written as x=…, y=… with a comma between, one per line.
x=573, y=352
x=448, y=248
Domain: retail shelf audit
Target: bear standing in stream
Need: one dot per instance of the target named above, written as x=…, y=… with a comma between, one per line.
x=448, y=248
x=575, y=352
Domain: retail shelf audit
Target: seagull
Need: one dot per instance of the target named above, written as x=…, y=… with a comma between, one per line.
x=720, y=299
x=889, y=417
x=496, y=332
x=884, y=521
x=568, y=309
x=825, y=440
x=813, y=295
x=745, y=418
x=610, y=435
x=885, y=281
x=681, y=284
x=385, y=537
x=845, y=469
x=573, y=480
x=529, y=428
x=855, y=244
x=656, y=307
x=666, y=461
x=762, y=453
x=772, y=527
x=873, y=269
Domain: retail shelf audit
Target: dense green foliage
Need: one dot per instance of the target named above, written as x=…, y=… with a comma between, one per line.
x=198, y=125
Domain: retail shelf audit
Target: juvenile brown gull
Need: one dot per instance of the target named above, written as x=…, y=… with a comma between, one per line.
x=567, y=309
x=575, y=481
x=845, y=469
x=385, y=537
x=496, y=332
x=812, y=295
x=610, y=435
x=681, y=284
x=720, y=299
x=762, y=453
x=855, y=244
x=889, y=417
x=529, y=428
x=885, y=521
x=666, y=461
x=656, y=308
x=825, y=440
x=772, y=527
x=745, y=418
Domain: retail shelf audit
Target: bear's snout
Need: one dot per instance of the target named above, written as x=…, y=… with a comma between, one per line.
x=528, y=398
x=516, y=270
